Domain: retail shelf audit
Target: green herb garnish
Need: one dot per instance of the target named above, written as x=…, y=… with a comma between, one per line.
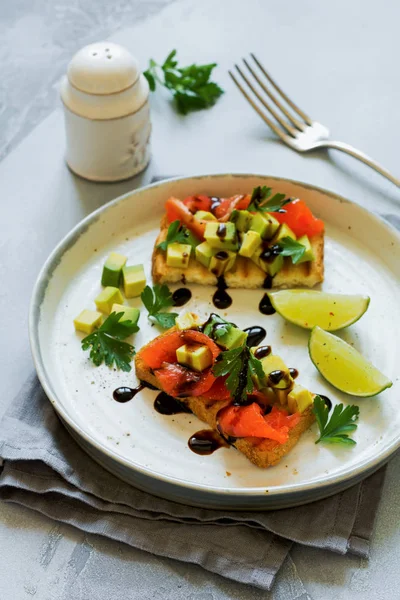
x=259, y=200
x=292, y=248
x=154, y=300
x=214, y=332
x=106, y=343
x=335, y=431
x=241, y=366
x=178, y=234
x=190, y=86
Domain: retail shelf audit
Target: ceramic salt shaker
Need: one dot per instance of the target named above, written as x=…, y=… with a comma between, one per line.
x=107, y=116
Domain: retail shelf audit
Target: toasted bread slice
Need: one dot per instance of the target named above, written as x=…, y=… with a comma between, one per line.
x=245, y=274
x=262, y=452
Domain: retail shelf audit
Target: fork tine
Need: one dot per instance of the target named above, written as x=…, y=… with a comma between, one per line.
x=264, y=117
x=284, y=123
x=299, y=125
x=301, y=113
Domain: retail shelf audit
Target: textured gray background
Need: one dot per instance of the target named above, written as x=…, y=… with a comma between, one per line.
x=340, y=61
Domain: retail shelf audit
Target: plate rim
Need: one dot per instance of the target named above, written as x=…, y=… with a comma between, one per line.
x=44, y=277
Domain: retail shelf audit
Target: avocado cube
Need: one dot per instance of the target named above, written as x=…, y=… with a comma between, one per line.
x=265, y=224
x=299, y=399
x=283, y=231
x=271, y=264
x=178, y=255
x=204, y=215
x=232, y=339
x=134, y=280
x=242, y=219
x=87, y=321
x=204, y=252
x=221, y=262
x=195, y=356
x=308, y=254
x=129, y=313
x=221, y=235
x=276, y=372
x=109, y=296
x=187, y=320
x=250, y=242
x=112, y=269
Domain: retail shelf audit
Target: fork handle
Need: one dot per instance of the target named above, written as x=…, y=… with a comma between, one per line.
x=361, y=156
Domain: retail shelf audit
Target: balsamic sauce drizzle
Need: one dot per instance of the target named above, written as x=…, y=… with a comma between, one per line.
x=206, y=442
x=265, y=307
x=167, y=405
x=181, y=296
x=221, y=298
x=255, y=335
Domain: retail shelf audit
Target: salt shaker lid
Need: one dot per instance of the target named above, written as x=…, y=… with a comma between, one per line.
x=103, y=68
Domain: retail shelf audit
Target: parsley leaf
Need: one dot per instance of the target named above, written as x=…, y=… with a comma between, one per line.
x=290, y=247
x=106, y=343
x=154, y=300
x=214, y=332
x=259, y=200
x=180, y=235
x=342, y=422
x=240, y=365
x=190, y=86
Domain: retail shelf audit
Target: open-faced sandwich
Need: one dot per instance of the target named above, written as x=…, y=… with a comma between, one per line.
x=246, y=394
x=253, y=241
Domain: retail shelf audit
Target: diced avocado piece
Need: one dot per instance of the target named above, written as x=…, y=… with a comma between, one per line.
x=187, y=320
x=267, y=261
x=277, y=373
x=265, y=224
x=195, y=356
x=112, y=270
x=87, y=321
x=130, y=312
x=308, y=254
x=275, y=265
x=204, y=252
x=134, y=280
x=233, y=338
x=221, y=262
x=178, y=255
x=283, y=231
x=299, y=399
x=242, y=219
x=221, y=235
x=109, y=296
x=204, y=215
x=250, y=242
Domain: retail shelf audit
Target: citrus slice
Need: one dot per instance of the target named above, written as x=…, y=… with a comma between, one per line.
x=308, y=308
x=343, y=366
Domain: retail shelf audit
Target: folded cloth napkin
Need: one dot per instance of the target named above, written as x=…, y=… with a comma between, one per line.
x=44, y=468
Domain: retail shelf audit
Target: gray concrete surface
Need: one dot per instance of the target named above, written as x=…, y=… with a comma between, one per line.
x=340, y=61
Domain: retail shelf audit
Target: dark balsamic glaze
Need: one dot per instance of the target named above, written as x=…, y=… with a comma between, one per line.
x=255, y=335
x=167, y=405
x=262, y=352
x=221, y=255
x=125, y=393
x=267, y=285
x=221, y=298
x=326, y=400
x=181, y=296
x=206, y=442
x=265, y=307
x=276, y=376
x=215, y=202
x=221, y=231
x=293, y=372
x=270, y=253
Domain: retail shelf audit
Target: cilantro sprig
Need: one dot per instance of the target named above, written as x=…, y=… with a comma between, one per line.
x=106, y=345
x=190, y=86
x=292, y=248
x=154, y=300
x=178, y=234
x=241, y=366
x=341, y=423
x=261, y=200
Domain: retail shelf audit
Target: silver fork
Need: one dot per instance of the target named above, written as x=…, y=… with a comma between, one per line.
x=294, y=127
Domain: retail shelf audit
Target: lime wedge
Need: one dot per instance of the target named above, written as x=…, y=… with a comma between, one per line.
x=343, y=366
x=308, y=308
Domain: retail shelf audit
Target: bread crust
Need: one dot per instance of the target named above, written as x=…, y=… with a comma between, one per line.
x=245, y=274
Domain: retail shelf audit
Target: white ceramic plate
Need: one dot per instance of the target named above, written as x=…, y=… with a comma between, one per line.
x=150, y=450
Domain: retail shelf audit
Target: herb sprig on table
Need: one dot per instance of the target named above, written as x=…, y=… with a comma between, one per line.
x=181, y=235
x=155, y=299
x=240, y=365
x=190, y=86
x=336, y=429
x=106, y=343
x=262, y=202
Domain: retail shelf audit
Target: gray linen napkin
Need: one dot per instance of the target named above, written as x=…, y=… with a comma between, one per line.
x=43, y=468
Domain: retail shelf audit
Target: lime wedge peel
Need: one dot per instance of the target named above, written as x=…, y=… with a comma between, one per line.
x=344, y=367
x=309, y=308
